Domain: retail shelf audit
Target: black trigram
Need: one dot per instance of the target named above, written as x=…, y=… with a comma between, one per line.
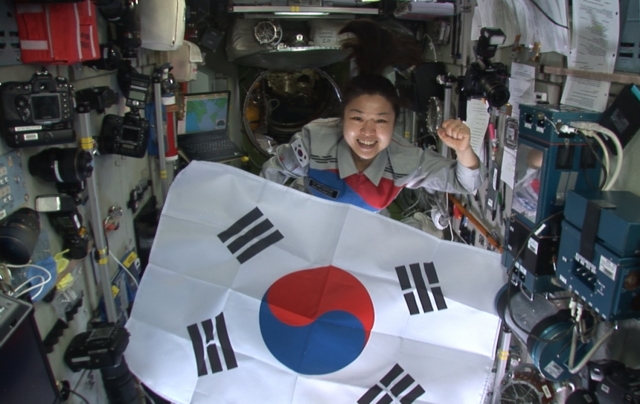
x=249, y=235
x=216, y=343
x=395, y=386
x=421, y=280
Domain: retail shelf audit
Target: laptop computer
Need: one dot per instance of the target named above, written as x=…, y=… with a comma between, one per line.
x=205, y=135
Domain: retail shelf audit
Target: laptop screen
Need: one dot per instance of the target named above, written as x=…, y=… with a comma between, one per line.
x=206, y=112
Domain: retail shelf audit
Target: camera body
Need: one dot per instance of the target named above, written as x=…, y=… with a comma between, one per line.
x=37, y=112
x=488, y=80
x=612, y=382
x=95, y=98
x=96, y=349
x=126, y=135
x=484, y=78
x=75, y=237
x=125, y=15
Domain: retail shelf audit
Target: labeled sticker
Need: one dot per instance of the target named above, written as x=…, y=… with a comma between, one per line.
x=553, y=369
x=323, y=189
x=608, y=268
x=26, y=128
x=533, y=246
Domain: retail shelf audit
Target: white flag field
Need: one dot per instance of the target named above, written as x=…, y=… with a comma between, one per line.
x=258, y=293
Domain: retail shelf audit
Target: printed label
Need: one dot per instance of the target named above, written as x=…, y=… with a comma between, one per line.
x=26, y=128
x=325, y=38
x=608, y=268
x=533, y=246
x=553, y=369
x=30, y=136
x=323, y=189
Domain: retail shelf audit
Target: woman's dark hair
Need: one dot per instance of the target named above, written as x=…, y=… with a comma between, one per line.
x=372, y=84
x=373, y=48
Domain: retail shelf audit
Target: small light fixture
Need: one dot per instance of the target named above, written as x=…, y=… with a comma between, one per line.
x=307, y=13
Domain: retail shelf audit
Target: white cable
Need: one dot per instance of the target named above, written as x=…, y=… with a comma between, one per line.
x=433, y=48
x=591, y=352
x=614, y=138
x=28, y=281
x=605, y=153
x=125, y=269
x=40, y=285
x=572, y=351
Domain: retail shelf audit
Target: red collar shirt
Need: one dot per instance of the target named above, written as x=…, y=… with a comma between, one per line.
x=320, y=155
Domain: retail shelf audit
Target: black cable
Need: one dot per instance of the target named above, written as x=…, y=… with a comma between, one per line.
x=510, y=273
x=80, y=396
x=547, y=15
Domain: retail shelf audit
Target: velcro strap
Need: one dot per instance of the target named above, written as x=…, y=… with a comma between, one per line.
x=590, y=229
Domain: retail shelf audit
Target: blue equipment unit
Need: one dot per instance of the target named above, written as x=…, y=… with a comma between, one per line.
x=618, y=227
x=529, y=282
x=544, y=175
x=548, y=165
x=549, y=345
x=607, y=283
x=537, y=122
x=599, y=256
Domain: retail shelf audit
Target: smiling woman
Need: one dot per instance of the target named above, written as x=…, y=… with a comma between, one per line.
x=356, y=158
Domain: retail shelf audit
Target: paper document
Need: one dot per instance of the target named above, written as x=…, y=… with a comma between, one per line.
x=477, y=121
x=508, y=168
x=521, y=87
x=496, y=14
x=596, y=30
x=522, y=17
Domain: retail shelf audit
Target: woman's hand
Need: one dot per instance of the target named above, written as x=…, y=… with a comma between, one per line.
x=456, y=135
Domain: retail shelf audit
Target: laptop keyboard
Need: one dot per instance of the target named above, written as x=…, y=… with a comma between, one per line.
x=200, y=148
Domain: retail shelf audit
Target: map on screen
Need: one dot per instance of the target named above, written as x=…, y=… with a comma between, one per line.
x=206, y=112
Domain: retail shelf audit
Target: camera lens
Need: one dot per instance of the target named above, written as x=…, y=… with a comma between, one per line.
x=497, y=93
x=62, y=165
x=19, y=235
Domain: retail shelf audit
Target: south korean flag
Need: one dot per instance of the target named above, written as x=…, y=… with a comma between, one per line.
x=258, y=293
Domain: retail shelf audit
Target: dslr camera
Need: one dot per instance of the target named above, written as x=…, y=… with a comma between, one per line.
x=103, y=348
x=125, y=16
x=484, y=78
x=128, y=135
x=37, y=112
x=124, y=135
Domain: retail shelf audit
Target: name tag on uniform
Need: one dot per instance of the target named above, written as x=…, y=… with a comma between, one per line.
x=323, y=189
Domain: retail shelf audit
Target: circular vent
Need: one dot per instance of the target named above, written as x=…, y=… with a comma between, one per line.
x=267, y=32
x=525, y=385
